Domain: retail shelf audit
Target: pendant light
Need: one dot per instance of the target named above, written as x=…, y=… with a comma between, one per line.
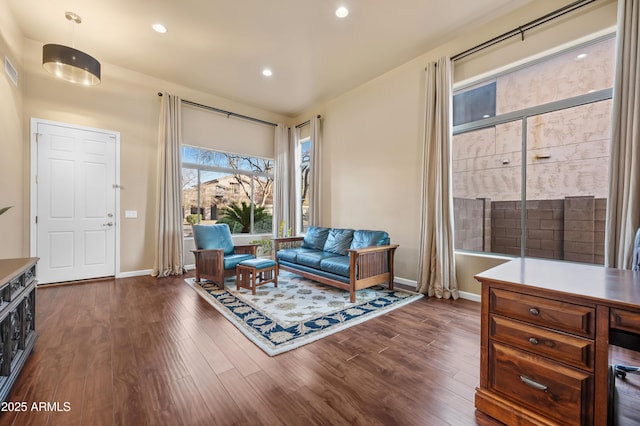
x=69, y=63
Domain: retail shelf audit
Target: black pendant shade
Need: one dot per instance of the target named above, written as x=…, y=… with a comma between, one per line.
x=71, y=64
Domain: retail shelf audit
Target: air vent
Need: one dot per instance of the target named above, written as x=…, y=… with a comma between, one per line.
x=11, y=71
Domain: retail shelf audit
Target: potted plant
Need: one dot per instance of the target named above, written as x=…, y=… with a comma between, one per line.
x=265, y=247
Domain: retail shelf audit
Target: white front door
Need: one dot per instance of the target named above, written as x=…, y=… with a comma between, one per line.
x=75, y=203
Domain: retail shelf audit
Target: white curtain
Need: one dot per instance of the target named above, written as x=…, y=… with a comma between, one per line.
x=169, y=242
x=315, y=166
x=284, y=198
x=623, y=205
x=437, y=270
x=296, y=183
x=293, y=135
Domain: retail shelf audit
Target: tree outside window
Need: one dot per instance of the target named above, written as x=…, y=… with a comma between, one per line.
x=221, y=187
x=304, y=161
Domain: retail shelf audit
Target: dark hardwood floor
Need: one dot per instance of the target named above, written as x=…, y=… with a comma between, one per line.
x=141, y=351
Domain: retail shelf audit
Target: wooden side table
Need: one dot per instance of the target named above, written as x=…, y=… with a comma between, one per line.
x=253, y=273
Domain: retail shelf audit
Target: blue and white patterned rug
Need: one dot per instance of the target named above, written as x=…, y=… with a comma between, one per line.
x=298, y=311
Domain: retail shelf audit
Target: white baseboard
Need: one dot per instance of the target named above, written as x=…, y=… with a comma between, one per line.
x=469, y=296
x=463, y=294
x=130, y=274
x=404, y=281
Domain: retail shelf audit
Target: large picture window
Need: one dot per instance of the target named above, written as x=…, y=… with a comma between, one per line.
x=220, y=187
x=532, y=180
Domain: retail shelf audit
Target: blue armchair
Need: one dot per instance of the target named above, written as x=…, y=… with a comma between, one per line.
x=216, y=256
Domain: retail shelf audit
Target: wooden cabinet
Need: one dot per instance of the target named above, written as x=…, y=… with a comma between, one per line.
x=17, y=318
x=541, y=355
x=545, y=335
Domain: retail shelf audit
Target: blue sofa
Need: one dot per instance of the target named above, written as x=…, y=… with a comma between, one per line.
x=344, y=258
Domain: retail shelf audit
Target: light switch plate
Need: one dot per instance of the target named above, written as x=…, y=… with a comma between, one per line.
x=131, y=214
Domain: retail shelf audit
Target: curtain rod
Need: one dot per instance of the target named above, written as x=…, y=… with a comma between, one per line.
x=305, y=123
x=227, y=113
x=521, y=29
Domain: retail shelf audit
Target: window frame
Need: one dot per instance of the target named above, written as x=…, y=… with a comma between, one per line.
x=252, y=174
x=523, y=115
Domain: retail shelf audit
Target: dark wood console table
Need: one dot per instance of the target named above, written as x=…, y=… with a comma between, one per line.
x=17, y=318
x=545, y=334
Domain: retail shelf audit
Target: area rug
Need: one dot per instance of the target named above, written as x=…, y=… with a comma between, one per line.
x=299, y=311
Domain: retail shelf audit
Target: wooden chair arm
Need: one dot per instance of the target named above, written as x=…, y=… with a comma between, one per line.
x=372, y=249
x=286, y=241
x=247, y=249
x=208, y=251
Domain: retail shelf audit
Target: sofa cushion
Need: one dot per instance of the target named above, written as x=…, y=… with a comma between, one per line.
x=315, y=238
x=313, y=259
x=291, y=254
x=338, y=241
x=364, y=238
x=258, y=264
x=232, y=260
x=215, y=236
x=314, y=271
x=336, y=265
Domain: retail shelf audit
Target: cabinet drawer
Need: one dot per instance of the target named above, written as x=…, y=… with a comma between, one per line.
x=566, y=348
x=625, y=320
x=556, y=391
x=561, y=316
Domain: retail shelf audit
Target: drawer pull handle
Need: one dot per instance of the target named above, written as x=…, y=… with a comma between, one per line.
x=532, y=383
x=534, y=312
x=533, y=341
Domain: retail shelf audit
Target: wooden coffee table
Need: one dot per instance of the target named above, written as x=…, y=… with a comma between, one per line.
x=253, y=273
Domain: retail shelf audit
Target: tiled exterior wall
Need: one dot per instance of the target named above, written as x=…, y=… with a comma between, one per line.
x=545, y=229
x=566, y=229
x=471, y=217
x=505, y=227
x=584, y=229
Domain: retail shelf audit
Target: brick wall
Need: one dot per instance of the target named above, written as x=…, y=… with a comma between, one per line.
x=567, y=229
x=584, y=229
x=470, y=217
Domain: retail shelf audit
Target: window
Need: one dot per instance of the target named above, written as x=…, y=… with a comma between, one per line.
x=220, y=187
x=474, y=104
x=532, y=180
x=303, y=163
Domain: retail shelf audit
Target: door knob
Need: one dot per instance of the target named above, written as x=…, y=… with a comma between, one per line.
x=108, y=224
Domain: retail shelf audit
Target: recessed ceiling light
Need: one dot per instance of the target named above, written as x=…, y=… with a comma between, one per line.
x=342, y=12
x=159, y=28
x=581, y=56
x=267, y=72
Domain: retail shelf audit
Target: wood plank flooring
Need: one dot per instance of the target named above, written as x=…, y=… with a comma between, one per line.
x=146, y=351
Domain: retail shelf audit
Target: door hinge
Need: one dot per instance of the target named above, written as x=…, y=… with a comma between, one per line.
x=36, y=220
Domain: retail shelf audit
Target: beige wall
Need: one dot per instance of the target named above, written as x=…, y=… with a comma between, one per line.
x=12, y=156
x=470, y=264
x=373, y=135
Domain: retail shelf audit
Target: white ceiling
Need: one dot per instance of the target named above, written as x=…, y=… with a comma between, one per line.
x=221, y=46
